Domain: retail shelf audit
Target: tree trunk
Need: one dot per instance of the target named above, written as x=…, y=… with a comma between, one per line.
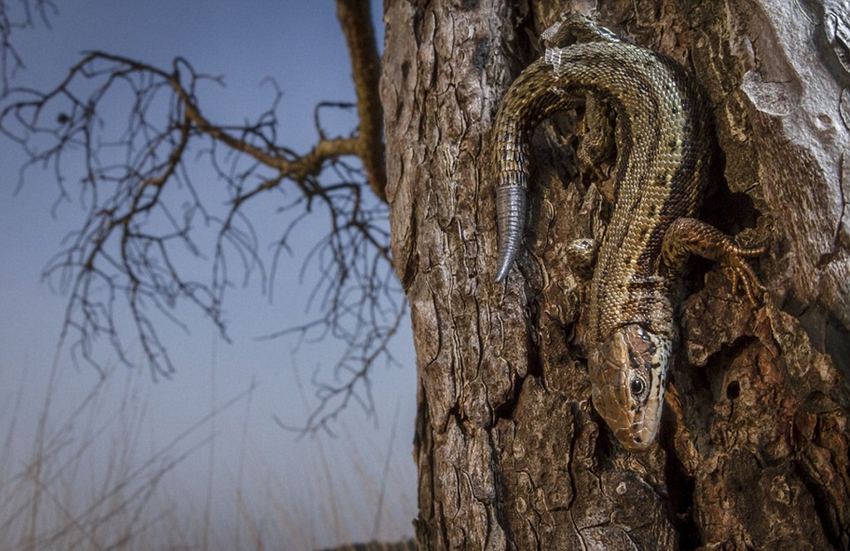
x=753, y=450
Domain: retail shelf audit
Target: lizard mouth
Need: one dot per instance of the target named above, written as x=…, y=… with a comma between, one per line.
x=638, y=436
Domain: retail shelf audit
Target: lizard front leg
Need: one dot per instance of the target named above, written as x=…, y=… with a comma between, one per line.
x=691, y=236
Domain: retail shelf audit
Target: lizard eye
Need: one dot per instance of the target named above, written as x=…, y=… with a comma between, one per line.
x=637, y=386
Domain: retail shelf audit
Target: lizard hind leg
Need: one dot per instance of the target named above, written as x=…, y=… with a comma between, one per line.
x=691, y=236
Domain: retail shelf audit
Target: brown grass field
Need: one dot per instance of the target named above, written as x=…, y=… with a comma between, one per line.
x=86, y=476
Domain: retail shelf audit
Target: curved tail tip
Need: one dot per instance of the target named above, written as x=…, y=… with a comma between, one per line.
x=504, y=268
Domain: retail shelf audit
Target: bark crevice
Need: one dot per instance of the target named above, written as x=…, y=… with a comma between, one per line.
x=753, y=450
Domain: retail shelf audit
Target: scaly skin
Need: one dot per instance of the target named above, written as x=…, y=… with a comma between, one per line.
x=663, y=146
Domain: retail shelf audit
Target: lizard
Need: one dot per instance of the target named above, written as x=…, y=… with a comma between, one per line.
x=663, y=139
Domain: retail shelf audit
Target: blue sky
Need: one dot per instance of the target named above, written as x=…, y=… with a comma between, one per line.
x=300, y=45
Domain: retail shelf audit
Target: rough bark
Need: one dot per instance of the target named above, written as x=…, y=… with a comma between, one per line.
x=754, y=452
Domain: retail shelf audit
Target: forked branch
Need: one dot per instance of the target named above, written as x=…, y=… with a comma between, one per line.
x=16, y=16
x=131, y=136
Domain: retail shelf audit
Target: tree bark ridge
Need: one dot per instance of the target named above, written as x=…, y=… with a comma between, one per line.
x=753, y=451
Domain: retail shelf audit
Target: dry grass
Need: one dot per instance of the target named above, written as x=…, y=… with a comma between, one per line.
x=87, y=476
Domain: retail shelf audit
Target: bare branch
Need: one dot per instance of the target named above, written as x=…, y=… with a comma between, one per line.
x=16, y=16
x=133, y=263
x=355, y=16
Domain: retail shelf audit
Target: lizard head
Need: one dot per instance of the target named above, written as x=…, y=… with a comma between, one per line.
x=627, y=372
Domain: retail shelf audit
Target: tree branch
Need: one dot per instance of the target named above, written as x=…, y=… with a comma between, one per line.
x=143, y=236
x=355, y=16
x=21, y=17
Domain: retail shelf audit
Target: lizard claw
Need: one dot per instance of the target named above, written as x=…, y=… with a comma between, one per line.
x=742, y=273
